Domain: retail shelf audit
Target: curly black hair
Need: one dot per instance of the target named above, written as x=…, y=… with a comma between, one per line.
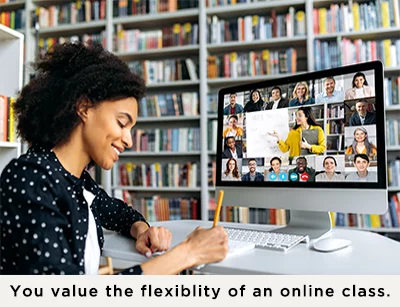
x=69, y=73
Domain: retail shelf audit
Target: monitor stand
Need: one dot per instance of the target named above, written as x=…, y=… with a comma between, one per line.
x=315, y=224
x=318, y=226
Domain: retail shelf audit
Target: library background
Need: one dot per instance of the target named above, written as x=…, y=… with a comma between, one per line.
x=187, y=50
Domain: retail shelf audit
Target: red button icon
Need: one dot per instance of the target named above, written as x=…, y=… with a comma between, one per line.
x=304, y=176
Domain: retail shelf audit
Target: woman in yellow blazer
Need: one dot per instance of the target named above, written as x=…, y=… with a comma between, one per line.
x=294, y=143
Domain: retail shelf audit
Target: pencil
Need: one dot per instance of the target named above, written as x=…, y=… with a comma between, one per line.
x=218, y=209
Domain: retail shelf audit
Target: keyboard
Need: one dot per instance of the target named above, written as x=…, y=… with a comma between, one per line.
x=264, y=239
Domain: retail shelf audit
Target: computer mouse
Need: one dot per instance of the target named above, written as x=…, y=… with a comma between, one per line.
x=331, y=244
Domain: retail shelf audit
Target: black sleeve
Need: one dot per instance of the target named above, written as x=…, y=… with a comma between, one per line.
x=116, y=215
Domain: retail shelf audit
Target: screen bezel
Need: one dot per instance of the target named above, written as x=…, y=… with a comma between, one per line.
x=378, y=69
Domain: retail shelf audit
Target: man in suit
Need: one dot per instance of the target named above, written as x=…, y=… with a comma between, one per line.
x=232, y=150
x=362, y=116
x=233, y=107
x=253, y=175
x=302, y=172
x=277, y=101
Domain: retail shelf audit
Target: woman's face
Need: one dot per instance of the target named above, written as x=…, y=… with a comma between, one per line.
x=301, y=91
x=329, y=165
x=359, y=81
x=276, y=166
x=359, y=136
x=106, y=130
x=301, y=119
x=232, y=165
x=232, y=123
x=255, y=96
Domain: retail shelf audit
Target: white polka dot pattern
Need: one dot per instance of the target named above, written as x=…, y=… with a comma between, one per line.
x=44, y=216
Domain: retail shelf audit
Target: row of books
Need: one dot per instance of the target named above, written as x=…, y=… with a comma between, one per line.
x=335, y=143
x=328, y=54
x=159, y=208
x=334, y=127
x=216, y=3
x=249, y=64
x=45, y=43
x=335, y=111
x=256, y=27
x=393, y=172
x=165, y=70
x=122, y=8
x=388, y=220
x=393, y=133
x=159, y=175
x=247, y=215
x=71, y=13
x=171, y=104
x=171, y=140
x=212, y=103
x=392, y=90
x=7, y=125
x=13, y=19
x=177, y=35
x=356, y=16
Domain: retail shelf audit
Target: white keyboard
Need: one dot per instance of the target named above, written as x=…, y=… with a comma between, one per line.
x=239, y=247
x=265, y=239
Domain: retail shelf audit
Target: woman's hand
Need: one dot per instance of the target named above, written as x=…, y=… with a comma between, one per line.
x=274, y=134
x=305, y=145
x=153, y=239
x=207, y=245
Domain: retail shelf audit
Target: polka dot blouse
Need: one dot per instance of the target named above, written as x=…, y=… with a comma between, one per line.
x=44, y=216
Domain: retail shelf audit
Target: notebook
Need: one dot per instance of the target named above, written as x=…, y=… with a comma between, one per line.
x=311, y=137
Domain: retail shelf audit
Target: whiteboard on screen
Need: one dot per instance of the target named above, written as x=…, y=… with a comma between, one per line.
x=258, y=124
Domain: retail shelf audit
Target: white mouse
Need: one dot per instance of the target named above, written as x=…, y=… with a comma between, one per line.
x=330, y=244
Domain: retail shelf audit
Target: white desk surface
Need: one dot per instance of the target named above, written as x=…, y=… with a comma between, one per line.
x=369, y=253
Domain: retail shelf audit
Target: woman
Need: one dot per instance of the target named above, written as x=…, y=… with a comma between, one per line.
x=274, y=172
x=301, y=96
x=360, y=88
x=79, y=110
x=233, y=129
x=329, y=174
x=361, y=144
x=296, y=141
x=232, y=172
x=255, y=103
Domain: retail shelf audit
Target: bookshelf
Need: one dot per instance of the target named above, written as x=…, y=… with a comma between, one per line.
x=11, y=52
x=309, y=33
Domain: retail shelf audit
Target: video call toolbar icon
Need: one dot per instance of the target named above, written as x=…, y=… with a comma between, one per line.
x=294, y=177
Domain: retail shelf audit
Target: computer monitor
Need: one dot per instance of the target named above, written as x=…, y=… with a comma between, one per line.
x=310, y=143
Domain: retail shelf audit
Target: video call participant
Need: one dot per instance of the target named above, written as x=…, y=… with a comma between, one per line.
x=255, y=103
x=301, y=96
x=275, y=173
x=233, y=129
x=361, y=162
x=232, y=150
x=329, y=174
x=302, y=172
x=362, y=117
x=253, y=175
x=329, y=94
x=361, y=143
x=233, y=107
x=231, y=172
x=277, y=102
x=304, y=121
x=360, y=88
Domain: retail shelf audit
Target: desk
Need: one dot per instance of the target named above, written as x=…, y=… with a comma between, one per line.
x=369, y=253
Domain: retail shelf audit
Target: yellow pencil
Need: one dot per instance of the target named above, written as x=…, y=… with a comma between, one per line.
x=218, y=209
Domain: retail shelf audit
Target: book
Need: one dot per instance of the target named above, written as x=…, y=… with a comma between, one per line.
x=311, y=137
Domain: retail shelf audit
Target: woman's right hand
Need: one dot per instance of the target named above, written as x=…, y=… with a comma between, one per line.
x=274, y=134
x=207, y=245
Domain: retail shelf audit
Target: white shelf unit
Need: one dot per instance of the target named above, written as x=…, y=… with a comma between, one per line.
x=11, y=60
x=203, y=49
